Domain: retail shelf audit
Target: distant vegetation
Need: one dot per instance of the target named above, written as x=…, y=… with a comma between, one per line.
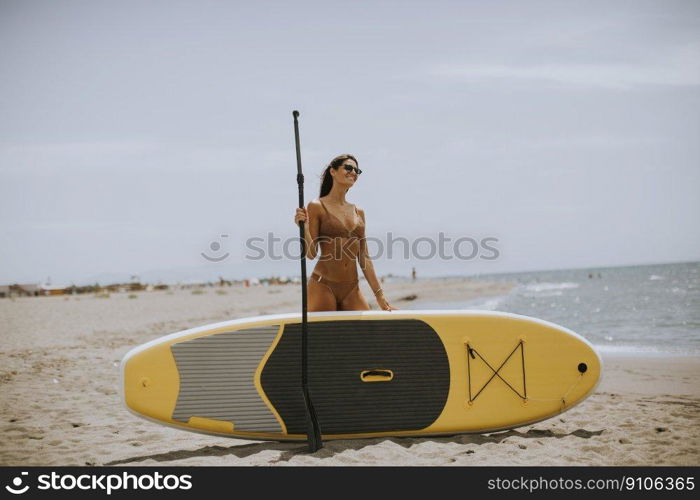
x=99, y=291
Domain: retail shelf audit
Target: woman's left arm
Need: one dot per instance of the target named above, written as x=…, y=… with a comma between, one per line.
x=368, y=269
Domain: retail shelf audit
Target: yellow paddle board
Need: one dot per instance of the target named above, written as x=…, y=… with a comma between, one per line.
x=371, y=373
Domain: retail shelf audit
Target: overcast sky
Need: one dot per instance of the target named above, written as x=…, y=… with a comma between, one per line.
x=134, y=134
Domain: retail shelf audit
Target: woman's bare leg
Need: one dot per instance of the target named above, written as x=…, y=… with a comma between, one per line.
x=320, y=297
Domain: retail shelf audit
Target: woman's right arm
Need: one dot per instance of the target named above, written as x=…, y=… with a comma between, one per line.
x=310, y=216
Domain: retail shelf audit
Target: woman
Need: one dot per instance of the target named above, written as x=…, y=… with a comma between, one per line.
x=338, y=228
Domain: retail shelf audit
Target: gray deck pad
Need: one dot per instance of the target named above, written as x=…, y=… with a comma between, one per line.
x=217, y=379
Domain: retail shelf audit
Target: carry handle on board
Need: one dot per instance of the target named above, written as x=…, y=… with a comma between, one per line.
x=376, y=375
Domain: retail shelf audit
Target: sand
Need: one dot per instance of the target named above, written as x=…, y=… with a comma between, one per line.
x=59, y=404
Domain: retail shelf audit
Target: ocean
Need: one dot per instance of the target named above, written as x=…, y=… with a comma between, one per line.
x=637, y=309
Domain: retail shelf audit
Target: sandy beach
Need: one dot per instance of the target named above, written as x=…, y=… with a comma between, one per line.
x=59, y=402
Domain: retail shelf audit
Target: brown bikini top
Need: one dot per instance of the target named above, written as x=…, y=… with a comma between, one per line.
x=333, y=227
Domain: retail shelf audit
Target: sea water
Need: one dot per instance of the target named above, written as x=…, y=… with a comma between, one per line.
x=636, y=310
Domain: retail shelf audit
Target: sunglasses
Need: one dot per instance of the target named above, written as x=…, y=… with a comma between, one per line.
x=350, y=168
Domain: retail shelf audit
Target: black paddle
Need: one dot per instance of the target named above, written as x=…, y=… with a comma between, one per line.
x=313, y=432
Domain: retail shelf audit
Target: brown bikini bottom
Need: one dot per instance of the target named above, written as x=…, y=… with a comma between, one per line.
x=340, y=289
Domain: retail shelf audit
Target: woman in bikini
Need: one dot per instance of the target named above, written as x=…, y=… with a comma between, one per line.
x=338, y=228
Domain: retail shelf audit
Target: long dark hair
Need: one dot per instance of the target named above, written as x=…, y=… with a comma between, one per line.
x=327, y=179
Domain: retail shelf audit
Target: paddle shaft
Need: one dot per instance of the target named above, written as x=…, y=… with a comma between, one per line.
x=313, y=431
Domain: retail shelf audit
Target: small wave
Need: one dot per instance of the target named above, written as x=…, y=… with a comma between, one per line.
x=490, y=304
x=546, y=287
x=655, y=277
x=553, y=293
x=482, y=303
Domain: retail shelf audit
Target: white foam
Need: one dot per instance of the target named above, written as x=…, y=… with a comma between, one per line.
x=546, y=287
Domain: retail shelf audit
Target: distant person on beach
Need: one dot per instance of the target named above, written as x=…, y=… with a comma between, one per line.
x=413, y=274
x=337, y=228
